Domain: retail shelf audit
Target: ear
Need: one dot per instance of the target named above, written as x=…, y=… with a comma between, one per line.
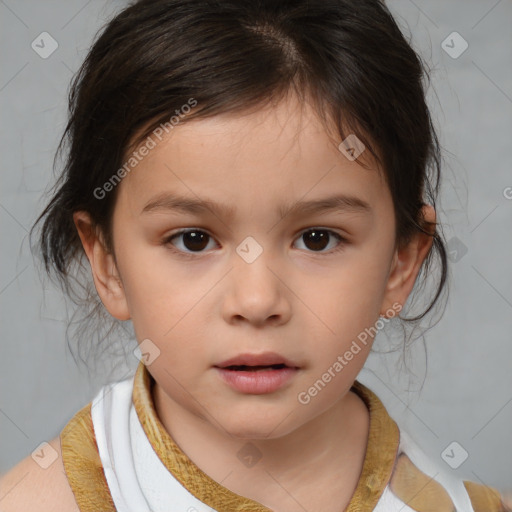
x=407, y=262
x=104, y=270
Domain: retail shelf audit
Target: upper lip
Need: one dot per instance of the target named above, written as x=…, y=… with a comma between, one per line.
x=264, y=359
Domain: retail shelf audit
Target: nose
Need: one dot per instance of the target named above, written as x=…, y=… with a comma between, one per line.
x=257, y=291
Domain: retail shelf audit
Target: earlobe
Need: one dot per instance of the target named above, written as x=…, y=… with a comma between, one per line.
x=104, y=270
x=407, y=263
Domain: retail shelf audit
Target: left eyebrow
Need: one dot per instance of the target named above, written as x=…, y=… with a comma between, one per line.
x=340, y=203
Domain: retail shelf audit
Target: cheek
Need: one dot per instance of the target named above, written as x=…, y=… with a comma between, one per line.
x=157, y=292
x=351, y=296
x=168, y=306
x=347, y=307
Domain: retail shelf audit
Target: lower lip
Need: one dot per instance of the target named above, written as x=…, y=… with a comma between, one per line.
x=257, y=382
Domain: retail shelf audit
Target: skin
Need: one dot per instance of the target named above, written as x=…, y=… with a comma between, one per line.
x=306, y=302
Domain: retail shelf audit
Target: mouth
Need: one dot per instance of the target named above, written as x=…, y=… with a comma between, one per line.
x=247, y=368
x=257, y=362
x=257, y=374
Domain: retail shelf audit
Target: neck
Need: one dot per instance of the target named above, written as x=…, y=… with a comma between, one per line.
x=330, y=446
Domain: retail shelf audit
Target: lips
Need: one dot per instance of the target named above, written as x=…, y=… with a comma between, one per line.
x=255, y=362
x=257, y=374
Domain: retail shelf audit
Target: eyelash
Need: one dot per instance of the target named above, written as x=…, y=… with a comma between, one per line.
x=167, y=241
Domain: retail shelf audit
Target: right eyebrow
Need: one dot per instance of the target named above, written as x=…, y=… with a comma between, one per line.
x=167, y=201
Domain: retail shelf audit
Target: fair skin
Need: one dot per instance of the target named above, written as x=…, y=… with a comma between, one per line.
x=303, y=300
x=27, y=486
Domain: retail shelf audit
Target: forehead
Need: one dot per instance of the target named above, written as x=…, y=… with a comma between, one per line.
x=282, y=153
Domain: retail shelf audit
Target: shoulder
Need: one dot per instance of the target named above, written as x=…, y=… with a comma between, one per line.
x=421, y=482
x=64, y=474
x=422, y=491
x=31, y=486
x=486, y=498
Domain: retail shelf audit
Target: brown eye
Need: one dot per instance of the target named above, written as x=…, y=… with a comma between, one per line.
x=193, y=240
x=317, y=240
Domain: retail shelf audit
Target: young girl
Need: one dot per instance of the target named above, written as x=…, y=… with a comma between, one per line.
x=253, y=185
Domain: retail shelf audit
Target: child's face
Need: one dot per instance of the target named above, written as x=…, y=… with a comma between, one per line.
x=203, y=301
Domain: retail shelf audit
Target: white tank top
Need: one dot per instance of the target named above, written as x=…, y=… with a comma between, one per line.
x=139, y=482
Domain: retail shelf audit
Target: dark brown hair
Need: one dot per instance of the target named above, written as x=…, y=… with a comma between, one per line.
x=346, y=57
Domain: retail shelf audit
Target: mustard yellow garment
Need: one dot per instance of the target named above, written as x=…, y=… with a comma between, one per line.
x=383, y=464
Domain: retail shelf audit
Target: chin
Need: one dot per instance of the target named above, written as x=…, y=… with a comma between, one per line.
x=257, y=425
x=251, y=433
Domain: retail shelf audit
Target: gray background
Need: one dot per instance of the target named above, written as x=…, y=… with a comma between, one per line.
x=467, y=391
